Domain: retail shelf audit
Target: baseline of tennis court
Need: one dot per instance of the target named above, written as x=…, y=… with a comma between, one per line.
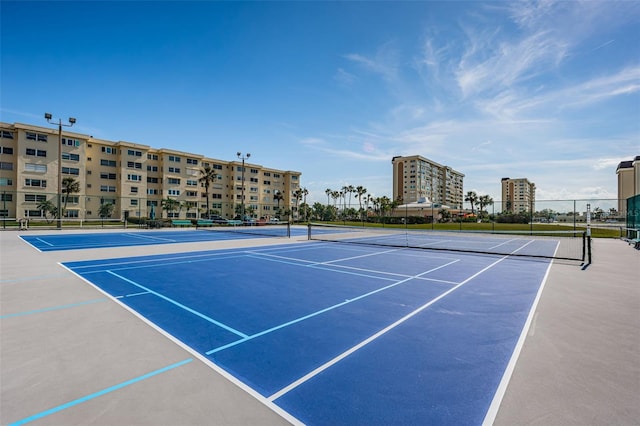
x=341, y=334
x=80, y=241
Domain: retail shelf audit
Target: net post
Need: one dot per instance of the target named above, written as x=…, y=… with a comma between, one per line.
x=288, y=229
x=589, y=248
x=309, y=231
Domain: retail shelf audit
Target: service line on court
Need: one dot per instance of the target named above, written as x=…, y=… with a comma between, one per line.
x=180, y=305
x=385, y=330
x=314, y=314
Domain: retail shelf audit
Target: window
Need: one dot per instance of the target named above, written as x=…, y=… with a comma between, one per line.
x=133, y=202
x=34, y=198
x=174, y=158
x=192, y=193
x=6, y=197
x=72, y=157
x=106, y=188
x=71, y=171
x=6, y=134
x=254, y=170
x=71, y=213
x=109, y=150
x=36, y=137
x=254, y=180
x=174, y=169
x=38, y=168
x=192, y=182
x=134, y=178
x=73, y=199
x=6, y=150
x=111, y=176
x=6, y=166
x=134, y=189
x=218, y=196
x=173, y=181
x=6, y=182
x=134, y=153
x=152, y=157
x=152, y=179
x=36, y=152
x=267, y=174
x=192, y=161
x=217, y=167
x=35, y=182
x=151, y=192
x=173, y=192
x=108, y=163
x=134, y=165
x=267, y=182
x=70, y=142
x=276, y=175
x=152, y=168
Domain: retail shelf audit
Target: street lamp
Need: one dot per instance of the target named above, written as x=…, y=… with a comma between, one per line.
x=242, y=157
x=72, y=121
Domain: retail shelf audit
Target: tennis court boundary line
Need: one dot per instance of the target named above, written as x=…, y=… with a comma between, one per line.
x=206, y=361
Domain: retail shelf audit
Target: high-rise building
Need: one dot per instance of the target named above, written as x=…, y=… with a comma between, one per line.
x=628, y=181
x=136, y=179
x=416, y=177
x=518, y=195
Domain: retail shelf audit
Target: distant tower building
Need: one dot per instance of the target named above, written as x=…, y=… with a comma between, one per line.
x=518, y=195
x=416, y=177
x=628, y=181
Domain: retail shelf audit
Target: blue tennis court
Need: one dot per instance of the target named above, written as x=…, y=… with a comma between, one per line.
x=55, y=242
x=341, y=334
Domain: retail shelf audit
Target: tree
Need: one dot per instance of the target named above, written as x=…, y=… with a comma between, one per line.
x=169, y=204
x=48, y=208
x=69, y=186
x=207, y=176
x=360, y=191
x=328, y=191
x=472, y=198
x=277, y=197
x=105, y=210
x=484, y=201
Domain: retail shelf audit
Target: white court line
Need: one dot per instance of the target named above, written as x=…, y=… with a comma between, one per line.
x=365, y=342
x=44, y=242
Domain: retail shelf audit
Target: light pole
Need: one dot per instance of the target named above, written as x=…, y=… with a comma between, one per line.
x=242, y=157
x=72, y=121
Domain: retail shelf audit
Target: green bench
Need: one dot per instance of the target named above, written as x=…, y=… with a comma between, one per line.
x=181, y=223
x=205, y=222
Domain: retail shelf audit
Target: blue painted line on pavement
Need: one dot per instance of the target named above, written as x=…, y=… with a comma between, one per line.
x=99, y=393
x=53, y=308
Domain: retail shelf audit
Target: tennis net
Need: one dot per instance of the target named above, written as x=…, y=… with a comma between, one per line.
x=261, y=229
x=569, y=245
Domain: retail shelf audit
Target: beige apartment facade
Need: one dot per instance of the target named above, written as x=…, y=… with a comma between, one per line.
x=628, y=173
x=136, y=179
x=416, y=178
x=518, y=195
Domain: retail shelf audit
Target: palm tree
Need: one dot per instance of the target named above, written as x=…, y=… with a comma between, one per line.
x=472, y=198
x=335, y=195
x=360, y=191
x=207, y=176
x=484, y=201
x=328, y=191
x=69, y=186
x=47, y=208
x=297, y=195
x=277, y=197
x=169, y=204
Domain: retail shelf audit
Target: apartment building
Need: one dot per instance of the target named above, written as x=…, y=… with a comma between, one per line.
x=518, y=195
x=134, y=178
x=628, y=181
x=416, y=177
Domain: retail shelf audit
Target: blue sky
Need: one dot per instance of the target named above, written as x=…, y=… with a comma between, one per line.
x=545, y=90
